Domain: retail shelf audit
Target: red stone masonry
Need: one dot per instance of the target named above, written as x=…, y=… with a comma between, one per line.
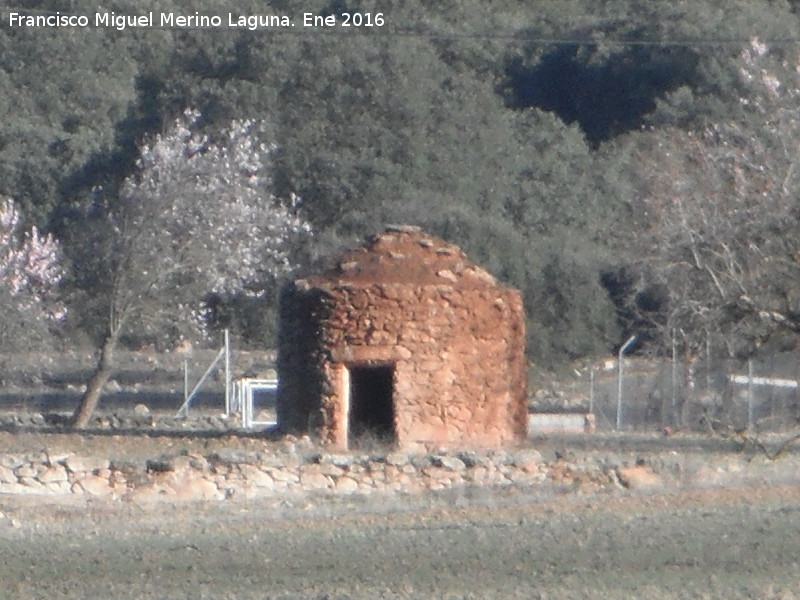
x=404, y=339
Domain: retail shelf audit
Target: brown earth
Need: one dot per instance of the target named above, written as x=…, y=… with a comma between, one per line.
x=735, y=540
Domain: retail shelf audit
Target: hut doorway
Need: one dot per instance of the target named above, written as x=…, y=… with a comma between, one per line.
x=371, y=405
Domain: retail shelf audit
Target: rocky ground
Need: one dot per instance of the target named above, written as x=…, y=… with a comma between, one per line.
x=633, y=516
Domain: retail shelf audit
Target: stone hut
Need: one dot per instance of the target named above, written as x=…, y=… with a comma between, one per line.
x=403, y=339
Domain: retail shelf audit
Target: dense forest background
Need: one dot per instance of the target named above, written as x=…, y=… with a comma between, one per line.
x=630, y=166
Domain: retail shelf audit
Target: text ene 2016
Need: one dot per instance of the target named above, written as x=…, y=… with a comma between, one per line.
x=344, y=20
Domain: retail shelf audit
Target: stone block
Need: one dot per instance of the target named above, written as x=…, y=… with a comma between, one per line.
x=331, y=470
x=346, y=485
x=639, y=478
x=7, y=475
x=94, y=485
x=53, y=474
x=20, y=489
x=284, y=475
x=313, y=479
x=86, y=464
x=28, y=471
x=60, y=488
x=196, y=488
x=397, y=459
x=31, y=482
x=256, y=477
x=449, y=463
x=437, y=474
x=11, y=461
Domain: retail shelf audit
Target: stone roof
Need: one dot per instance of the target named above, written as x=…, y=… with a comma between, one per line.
x=403, y=254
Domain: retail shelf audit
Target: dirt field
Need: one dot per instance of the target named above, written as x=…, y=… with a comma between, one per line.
x=543, y=542
x=719, y=544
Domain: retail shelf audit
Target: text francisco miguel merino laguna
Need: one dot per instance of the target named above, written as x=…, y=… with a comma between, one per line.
x=150, y=19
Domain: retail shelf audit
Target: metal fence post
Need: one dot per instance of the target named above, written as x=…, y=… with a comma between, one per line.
x=186, y=386
x=227, y=373
x=750, y=394
x=675, y=417
x=622, y=350
x=708, y=362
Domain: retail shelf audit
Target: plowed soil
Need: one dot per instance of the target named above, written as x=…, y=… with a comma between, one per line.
x=737, y=542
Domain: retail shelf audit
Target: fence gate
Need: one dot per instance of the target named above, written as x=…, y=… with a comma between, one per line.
x=243, y=400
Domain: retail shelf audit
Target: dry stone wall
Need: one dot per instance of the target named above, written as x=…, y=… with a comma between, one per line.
x=222, y=476
x=300, y=469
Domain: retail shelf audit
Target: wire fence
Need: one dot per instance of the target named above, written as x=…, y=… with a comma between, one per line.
x=706, y=394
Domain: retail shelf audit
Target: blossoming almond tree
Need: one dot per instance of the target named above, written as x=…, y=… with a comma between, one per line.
x=197, y=218
x=30, y=273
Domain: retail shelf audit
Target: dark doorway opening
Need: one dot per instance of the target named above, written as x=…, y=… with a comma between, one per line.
x=371, y=415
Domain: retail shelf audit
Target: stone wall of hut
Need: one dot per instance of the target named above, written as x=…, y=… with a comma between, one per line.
x=454, y=347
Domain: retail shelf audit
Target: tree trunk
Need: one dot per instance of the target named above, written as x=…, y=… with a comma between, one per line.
x=96, y=384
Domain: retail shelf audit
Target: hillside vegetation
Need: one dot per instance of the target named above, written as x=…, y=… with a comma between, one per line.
x=630, y=166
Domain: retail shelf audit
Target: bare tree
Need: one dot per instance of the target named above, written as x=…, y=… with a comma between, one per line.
x=718, y=219
x=197, y=218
